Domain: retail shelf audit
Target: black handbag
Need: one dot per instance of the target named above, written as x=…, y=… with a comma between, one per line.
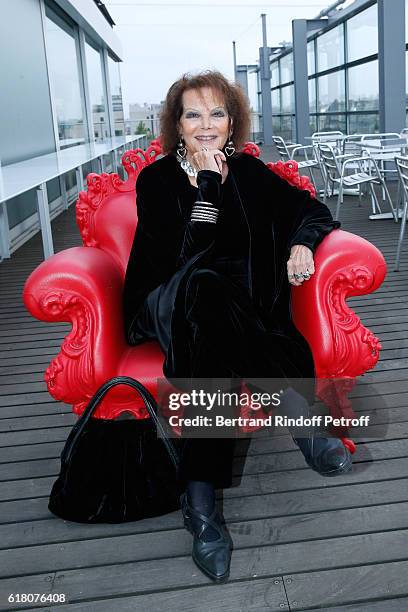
x=113, y=471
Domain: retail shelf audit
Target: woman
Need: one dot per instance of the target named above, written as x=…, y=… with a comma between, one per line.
x=220, y=239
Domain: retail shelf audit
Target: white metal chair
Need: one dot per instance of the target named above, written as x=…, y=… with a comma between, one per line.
x=401, y=163
x=288, y=151
x=336, y=167
x=308, y=162
x=284, y=148
x=331, y=138
x=328, y=156
x=351, y=144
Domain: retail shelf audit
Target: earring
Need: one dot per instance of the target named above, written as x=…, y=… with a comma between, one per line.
x=229, y=149
x=181, y=149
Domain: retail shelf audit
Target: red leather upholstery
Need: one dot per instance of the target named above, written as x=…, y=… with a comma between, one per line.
x=83, y=285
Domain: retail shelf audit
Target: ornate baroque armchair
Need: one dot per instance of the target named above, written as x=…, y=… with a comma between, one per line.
x=83, y=286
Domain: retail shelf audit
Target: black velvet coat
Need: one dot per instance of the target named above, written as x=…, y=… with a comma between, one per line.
x=167, y=245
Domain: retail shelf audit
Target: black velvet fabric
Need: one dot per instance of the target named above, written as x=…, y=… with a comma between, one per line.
x=216, y=296
x=167, y=244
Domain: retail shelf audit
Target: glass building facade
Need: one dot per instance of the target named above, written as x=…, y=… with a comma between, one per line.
x=342, y=62
x=283, y=99
x=62, y=90
x=71, y=92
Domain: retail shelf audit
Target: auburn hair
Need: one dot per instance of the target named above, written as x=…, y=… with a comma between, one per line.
x=235, y=101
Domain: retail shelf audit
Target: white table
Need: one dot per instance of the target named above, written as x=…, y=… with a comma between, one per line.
x=327, y=138
x=387, y=146
x=18, y=178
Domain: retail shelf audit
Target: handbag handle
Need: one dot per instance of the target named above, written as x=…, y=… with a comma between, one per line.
x=149, y=402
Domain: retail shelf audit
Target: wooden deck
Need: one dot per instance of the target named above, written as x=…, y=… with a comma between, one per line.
x=302, y=541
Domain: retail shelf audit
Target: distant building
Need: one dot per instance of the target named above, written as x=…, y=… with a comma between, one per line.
x=147, y=115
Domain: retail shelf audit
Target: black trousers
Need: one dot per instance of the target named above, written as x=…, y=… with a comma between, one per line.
x=227, y=339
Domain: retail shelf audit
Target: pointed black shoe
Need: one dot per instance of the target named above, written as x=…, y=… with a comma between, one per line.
x=213, y=558
x=328, y=457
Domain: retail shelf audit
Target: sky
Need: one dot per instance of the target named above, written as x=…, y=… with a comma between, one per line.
x=162, y=39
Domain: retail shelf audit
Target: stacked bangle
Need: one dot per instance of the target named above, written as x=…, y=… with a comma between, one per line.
x=204, y=211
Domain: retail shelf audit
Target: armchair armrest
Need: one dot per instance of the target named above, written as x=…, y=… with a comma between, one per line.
x=81, y=285
x=346, y=265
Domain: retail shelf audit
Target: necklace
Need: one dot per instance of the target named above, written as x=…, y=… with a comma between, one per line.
x=187, y=167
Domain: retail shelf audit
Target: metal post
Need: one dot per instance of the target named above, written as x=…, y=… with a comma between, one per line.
x=265, y=71
x=4, y=232
x=242, y=77
x=79, y=179
x=234, y=53
x=299, y=34
x=391, y=64
x=63, y=189
x=45, y=222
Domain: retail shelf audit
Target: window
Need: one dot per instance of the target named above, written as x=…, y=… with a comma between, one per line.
x=286, y=66
x=64, y=78
x=312, y=95
x=330, y=48
x=96, y=93
x=118, y=128
x=287, y=99
x=363, y=87
x=331, y=92
x=275, y=74
x=275, y=96
x=364, y=123
x=311, y=60
x=331, y=123
x=362, y=34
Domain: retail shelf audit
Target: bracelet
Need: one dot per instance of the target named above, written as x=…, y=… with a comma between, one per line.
x=203, y=216
x=204, y=211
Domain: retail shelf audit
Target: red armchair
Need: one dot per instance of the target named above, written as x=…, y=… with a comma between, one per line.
x=83, y=285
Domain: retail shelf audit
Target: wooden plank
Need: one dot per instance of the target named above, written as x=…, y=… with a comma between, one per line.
x=106, y=567
x=245, y=533
x=361, y=495
x=260, y=459
x=222, y=598
x=363, y=584
x=26, y=410
x=254, y=484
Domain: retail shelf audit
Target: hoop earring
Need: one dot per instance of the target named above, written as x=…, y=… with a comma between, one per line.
x=181, y=149
x=229, y=149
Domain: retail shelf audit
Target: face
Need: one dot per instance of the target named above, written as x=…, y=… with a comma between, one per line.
x=204, y=121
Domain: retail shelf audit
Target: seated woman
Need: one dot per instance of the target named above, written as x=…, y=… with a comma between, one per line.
x=220, y=240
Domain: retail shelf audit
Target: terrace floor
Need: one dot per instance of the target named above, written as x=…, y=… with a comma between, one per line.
x=302, y=541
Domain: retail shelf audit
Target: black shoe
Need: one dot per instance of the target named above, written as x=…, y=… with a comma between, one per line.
x=212, y=557
x=327, y=456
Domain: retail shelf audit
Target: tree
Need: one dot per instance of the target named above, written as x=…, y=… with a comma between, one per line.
x=141, y=128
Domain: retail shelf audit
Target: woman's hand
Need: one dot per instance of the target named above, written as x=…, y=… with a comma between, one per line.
x=300, y=263
x=209, y=160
